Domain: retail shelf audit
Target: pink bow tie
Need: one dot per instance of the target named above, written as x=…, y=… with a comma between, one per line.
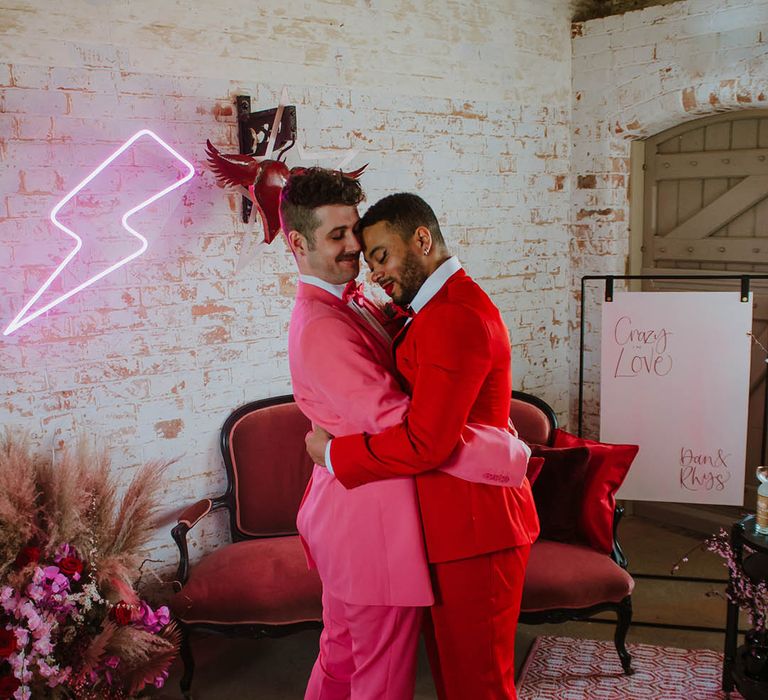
x=354, y=292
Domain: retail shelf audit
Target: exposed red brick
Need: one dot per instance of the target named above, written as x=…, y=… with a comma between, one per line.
x=558, y=183
x=287, y=284
x=586, y=182
x=223, y=111
x=467, y=113
x=689, y=100
x=586, y=213
x=216, y=335
x=210, y=308
x=169, y=428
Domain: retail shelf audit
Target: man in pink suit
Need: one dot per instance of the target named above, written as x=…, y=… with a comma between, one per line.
x=367, y=543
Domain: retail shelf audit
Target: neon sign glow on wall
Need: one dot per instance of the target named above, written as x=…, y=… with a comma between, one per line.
x=22, y=318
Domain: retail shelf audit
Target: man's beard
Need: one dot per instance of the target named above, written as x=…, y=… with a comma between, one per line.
x=412, y=277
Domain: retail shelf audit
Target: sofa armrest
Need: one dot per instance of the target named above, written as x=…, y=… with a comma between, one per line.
x=193, y=513
x=189, y=517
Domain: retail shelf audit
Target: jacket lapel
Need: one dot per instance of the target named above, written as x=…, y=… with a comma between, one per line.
x=309, y=291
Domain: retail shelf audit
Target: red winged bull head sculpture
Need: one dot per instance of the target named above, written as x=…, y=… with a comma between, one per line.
x=263, y=178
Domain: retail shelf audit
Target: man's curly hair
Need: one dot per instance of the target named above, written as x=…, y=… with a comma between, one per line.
x=310, y=188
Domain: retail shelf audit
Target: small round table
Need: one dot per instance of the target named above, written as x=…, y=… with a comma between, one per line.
x=756, y=567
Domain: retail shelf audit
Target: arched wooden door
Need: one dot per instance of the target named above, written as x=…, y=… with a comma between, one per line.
x=705, y=210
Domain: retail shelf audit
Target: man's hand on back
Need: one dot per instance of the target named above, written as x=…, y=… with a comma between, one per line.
x=316, y=442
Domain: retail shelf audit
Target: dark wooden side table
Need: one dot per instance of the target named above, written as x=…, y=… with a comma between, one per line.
x=756, y=567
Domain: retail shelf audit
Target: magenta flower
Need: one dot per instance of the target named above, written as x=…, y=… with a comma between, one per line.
x=160, y=679
x=22, y=636
x=152, y=620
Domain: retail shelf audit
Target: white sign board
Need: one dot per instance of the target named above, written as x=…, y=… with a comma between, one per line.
x=675, y=381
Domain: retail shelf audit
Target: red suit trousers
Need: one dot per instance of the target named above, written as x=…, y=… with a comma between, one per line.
x=470, y=634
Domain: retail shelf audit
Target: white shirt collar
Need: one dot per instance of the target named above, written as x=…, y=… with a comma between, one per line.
x=336, y=289
x=435, y=282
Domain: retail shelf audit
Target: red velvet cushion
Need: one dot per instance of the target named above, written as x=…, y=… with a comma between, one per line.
x=533, y=469
x=571, y=576
x=606, y=471
x=257, y=581
x=559, y=489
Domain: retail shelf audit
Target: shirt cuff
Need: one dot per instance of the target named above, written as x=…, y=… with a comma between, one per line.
x=328, y=464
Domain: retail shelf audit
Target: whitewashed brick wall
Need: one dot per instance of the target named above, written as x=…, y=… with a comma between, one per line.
x=635, y=75
x=467, y=103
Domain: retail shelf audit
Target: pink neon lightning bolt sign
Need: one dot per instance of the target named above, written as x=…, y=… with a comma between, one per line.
x=23, y=317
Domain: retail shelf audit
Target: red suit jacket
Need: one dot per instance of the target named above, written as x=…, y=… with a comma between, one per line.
x=455, y=361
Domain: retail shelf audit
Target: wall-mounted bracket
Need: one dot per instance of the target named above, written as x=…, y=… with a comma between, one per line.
x=254, y=129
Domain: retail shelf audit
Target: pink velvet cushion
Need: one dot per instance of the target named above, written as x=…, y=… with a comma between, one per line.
x=558, y=491
x=272, y=468
x=258, y=581
x=607, y=468
x=571, y=576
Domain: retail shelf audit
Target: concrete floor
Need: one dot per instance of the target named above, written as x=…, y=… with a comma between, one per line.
x=278, y=669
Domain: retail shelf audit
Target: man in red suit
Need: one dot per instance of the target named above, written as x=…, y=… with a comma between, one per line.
x=454, y=359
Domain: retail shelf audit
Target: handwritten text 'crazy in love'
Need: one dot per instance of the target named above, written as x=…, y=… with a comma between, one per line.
x=643, y=351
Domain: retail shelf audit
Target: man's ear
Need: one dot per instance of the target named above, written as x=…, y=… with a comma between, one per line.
x=297, y=242
x=423, y=239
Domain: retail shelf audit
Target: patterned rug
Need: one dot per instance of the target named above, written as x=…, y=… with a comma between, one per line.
x=560, y=668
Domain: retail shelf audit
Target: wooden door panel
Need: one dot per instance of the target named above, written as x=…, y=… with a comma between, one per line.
x=723, y=210
x=753, y=161
x=717, y=136
x=741, y=250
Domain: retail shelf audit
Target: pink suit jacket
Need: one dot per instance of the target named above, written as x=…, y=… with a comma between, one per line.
x=367, y=543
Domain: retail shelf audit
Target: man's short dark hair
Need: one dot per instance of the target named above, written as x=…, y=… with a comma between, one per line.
x=404, y=212
x=310, y=188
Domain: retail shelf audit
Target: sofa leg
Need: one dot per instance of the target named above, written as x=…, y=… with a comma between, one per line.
x=189, y=663
x=624, y=615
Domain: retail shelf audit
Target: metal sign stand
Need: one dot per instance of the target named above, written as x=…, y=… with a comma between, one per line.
x=744, y=281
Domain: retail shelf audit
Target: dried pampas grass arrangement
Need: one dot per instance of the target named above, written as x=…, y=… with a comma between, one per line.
x=71, y=544
x=73, y=499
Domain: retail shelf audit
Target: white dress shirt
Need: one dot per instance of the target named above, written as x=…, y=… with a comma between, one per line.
x=336, y=289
